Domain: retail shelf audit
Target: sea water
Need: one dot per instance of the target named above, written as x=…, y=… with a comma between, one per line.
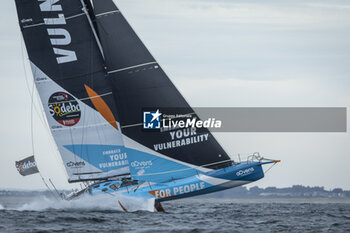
x=42, y=214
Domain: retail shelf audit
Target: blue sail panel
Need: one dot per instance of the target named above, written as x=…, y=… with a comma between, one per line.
x=104, y=157
x=148, y=167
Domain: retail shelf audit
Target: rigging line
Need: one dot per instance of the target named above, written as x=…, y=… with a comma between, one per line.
x=100, y=135
x=54, y=147
x=42, y=178
x=27, y=82
x=31, y=116
x=270, y=168
x=72, y=143
x=32, y=135
x=56, y=189
x=31, y=119
x=31, y=93
x=83, y=135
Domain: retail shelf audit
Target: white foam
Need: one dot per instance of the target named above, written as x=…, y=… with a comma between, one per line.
x=86, y=203
x=1, y=207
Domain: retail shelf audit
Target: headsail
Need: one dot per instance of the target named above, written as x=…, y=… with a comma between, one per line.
x=27, y=166
x=69, y=74
x=138, y=82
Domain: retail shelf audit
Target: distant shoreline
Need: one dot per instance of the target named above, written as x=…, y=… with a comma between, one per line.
x=296, y=191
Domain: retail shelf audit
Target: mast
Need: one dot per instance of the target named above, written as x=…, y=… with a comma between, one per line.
x=89, y=14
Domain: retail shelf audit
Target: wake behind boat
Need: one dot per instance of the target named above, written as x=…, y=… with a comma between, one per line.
x=104, y=95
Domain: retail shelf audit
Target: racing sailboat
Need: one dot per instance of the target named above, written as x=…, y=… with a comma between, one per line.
x=102, y=91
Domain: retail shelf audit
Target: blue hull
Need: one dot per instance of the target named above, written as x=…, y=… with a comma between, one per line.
x=204, y=183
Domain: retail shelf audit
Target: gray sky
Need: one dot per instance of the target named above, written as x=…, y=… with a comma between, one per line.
x=271, y=53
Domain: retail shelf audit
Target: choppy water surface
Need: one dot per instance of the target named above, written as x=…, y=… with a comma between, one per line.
x=189, y=215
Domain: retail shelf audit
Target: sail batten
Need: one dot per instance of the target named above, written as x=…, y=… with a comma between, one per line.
x=132, y=67
x=107, y=13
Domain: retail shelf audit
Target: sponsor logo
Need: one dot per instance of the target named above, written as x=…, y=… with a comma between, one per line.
x=64, y=109
x=25, y=165
x=245, y=172
x=76, y=164
x=165, y=122
x=141, y=164
x=27, y=20
x=169, y=123
x=152, y=120
x=59, y=37
x=178, y=190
